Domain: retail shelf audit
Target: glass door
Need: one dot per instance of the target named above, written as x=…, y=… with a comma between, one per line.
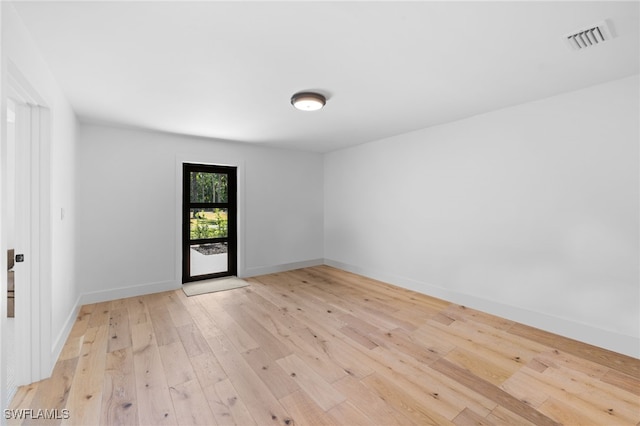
x=208, y=222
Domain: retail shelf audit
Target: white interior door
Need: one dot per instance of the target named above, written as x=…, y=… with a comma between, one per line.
x=9, y=355
x=26, y=228
x=16, y=201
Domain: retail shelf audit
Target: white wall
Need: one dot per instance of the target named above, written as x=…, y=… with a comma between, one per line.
x=18, y=49
x=129, y=206
x=530, y=212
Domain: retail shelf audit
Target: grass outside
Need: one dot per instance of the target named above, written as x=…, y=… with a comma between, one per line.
x=209, y=224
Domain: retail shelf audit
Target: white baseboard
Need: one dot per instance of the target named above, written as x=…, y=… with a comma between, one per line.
x=58, y=344
x=262, y=270
x=627, y=345
x=131, y=291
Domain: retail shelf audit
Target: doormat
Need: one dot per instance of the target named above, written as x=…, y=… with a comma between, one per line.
x=212, y=286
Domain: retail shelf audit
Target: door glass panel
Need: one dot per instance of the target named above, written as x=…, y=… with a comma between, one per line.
x=208, y=258
x=209, y=187
x=208, y=223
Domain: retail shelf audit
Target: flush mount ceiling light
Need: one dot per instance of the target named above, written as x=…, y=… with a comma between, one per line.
x=308, y=101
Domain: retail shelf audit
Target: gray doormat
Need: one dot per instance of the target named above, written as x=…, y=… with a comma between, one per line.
x=211, y=286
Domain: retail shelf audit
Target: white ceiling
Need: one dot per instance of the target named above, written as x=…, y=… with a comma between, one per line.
x=228, y=69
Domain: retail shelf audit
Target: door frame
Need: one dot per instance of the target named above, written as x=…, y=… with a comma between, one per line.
x=232, y=219
x=206, y=158
x=33, y=308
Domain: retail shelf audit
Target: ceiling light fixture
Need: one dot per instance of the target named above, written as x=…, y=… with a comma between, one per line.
x=308, y=101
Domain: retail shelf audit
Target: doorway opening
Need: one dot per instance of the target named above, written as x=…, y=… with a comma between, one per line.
x=209, y=222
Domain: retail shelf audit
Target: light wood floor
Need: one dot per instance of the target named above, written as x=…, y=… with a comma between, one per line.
x=322, y=346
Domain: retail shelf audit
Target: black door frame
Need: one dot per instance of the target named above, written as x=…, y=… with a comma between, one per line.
x=232, y=213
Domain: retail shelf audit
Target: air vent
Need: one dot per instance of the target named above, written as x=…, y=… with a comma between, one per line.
x=590, y=36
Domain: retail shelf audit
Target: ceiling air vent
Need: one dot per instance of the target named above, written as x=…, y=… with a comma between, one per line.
x=590, y=36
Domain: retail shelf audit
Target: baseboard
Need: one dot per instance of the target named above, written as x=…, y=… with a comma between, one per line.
x=263, y=270
x=627, y=345
x=130, y=291
x=58, y=344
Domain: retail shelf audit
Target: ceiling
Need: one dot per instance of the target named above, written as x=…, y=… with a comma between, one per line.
x=227, y=70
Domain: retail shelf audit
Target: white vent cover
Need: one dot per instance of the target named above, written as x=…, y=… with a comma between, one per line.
x=590, y=36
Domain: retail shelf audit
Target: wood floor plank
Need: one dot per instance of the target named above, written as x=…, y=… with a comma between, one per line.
x=346, y=414
x=498, y=395
x=256, y=395
x=487, y=370
x=138, y=311
x=337, y=351
x=228, y=408
x=415, y=406
x=23, y=398
x=309, y=352
x=558, y=359
x=179, y=314
x=374, y=289
x=296, y=303
x=302, y=407
x=502, y=416
x=311, y=382
x=374, y=312
x=520, y=386
x=53, y=393
x=72, y=347
x=270, y=372
x=516, y=351
x=192, y=339
x=265, y=340
x=566, y=414
x=361, y=396
x=623, y=404
x=85, y=395
x=191, y=404
x=403, y=342
x=99, y=315
x=207, y=369
x=622, y=381
x=176, y=364
x=119, y=405
x=163, y=327
x=223, y=321
x=465, y=314
x=445, y=396
x=82, y=320
x=466, y=338
x=24, y=395
x=152, y=392
x=119, y=329
x=615, y=361
x=360, y=338
x=469, y=418
x=599, y=411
